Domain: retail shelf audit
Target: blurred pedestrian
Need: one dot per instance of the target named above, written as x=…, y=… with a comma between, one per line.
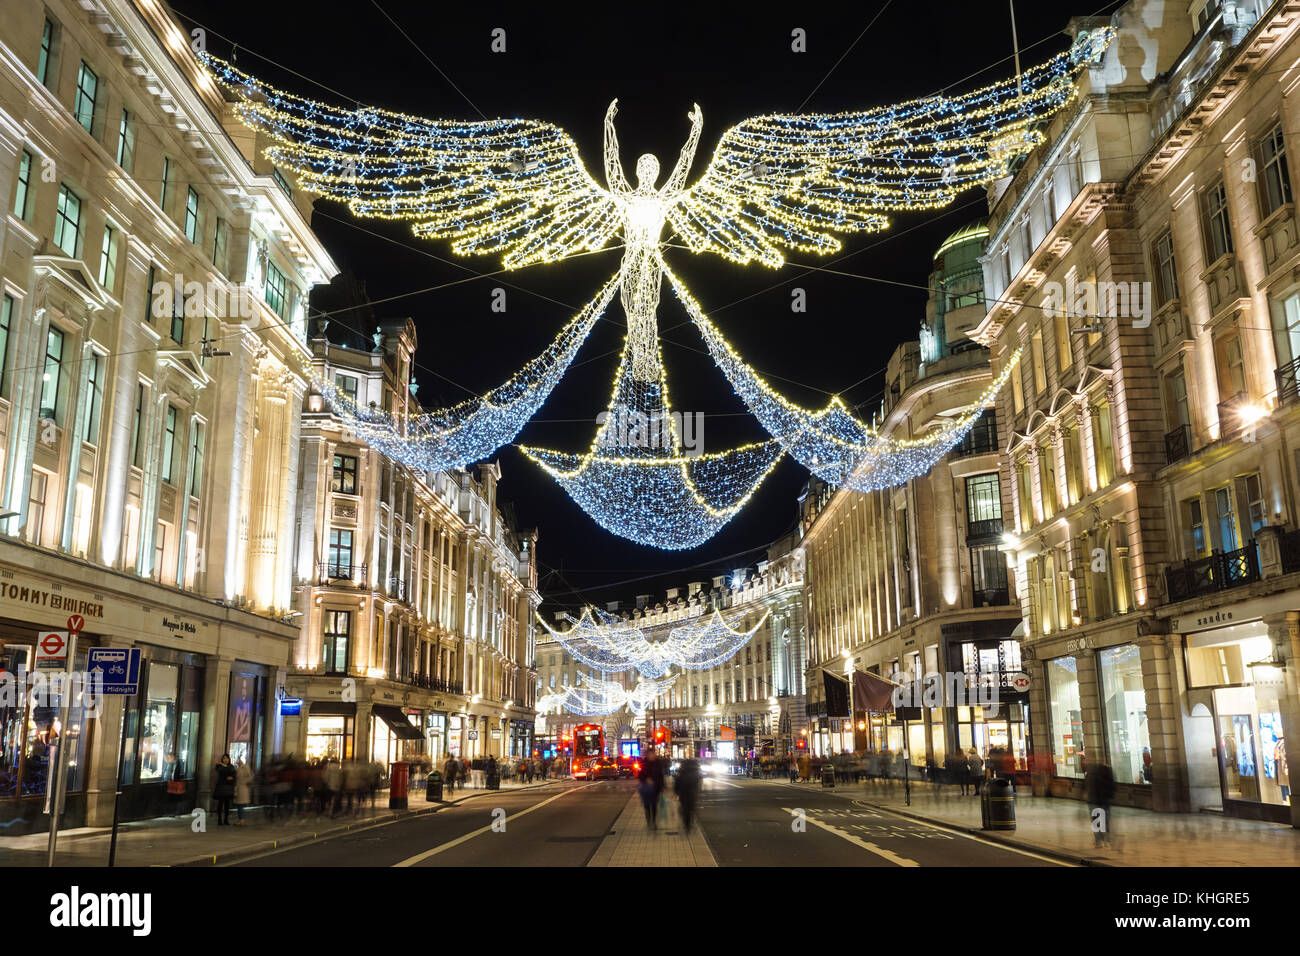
x=687, y=787
x=975, y=769
x=450, y=772
x=223, y=788
x=1099, y=791
x=648, y=793
x=243, y=790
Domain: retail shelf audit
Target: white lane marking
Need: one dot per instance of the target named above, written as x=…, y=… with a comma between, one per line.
x=725, y=783
x=955, y=832
x=856, y=841
x=421, y=857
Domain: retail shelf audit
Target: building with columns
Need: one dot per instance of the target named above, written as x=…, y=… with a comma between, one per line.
x=912, y=581
x=417, y=595
x=758, y=694
x=153, y=275
x=1144, y=262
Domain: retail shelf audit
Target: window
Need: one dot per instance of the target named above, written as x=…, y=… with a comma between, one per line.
x=1047, y=478
x=83, y=103
x=169, y=445
x=1229, y=540
x=1218, y=226
x=1025, y=493
x=219, y=241
x=108, y=259
x=67, y=222
x=52, y=379
x=983, y=498
x=1275, y=177
x=1176, y=399
x=178, y=317
x=1230, y=366
x=1072, y=446
x=1124, y=710
x=165, y=192
x=1066, y=716
x=136, y=421
x=1102, y=444
x=36, y=507
x=126, y=141
x=1255, y=508
x=1017, y=390
x=44, y=62
x=988, y=570
x=281, y=182
x=1040, y=364
x=23, y=188
x=334, y=646
x=1194, y=514
x=345, y=475
x=348, y=386
x=6, y=314
x=274, y=292
x=1166, y=269
x=196, y=462
x=1061, y=328
x=340, y=554
x=94, y=396
x=1026, y=237
x=191, y=215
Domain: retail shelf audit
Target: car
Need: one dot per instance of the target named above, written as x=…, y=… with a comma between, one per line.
x=605, y=768
x=629, y=766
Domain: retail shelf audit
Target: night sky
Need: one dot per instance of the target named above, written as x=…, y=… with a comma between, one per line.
x=565, y=68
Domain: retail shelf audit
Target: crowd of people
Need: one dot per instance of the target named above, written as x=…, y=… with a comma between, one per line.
x=652, y=784
x=966, y=769
x=289, y=787
x=462, y=772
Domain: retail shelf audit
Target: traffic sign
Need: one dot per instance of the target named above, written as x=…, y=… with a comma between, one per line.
x=76, y=623
x=119, y=667
x=51, y=650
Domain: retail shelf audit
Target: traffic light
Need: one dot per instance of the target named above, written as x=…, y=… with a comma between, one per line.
x=801, y=744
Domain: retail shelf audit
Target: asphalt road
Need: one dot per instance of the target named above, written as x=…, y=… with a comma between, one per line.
x=745, y=822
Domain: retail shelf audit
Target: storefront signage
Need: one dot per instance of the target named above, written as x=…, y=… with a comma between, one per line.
x=473, y=735
x=1077, y=644
x=175, y=625
x=1019, y=682
x=51, y=650
x=1180, y=625
x=290, y=706
x=119, y=667
x=39, y=597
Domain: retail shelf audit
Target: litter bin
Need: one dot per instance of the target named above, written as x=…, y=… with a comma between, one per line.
x=433, y=787
x=828, y=775
x=494, y=780
x=398, y=785
x=998, y=804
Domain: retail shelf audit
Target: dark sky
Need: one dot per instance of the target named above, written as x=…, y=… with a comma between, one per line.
x=565, y=68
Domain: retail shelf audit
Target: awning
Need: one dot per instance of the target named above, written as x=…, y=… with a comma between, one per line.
x=397, y=722
x=332, y=708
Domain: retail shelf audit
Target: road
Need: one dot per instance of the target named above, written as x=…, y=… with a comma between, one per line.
x=744, y=822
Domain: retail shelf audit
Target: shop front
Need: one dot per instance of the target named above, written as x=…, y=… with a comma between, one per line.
x=1236, y=691
x=394, y=737
x=331, y=731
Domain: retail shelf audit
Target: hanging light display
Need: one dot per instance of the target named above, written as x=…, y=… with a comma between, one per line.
x=518, y=189
x=593, y=697
x=459, y=435
x=607, y=643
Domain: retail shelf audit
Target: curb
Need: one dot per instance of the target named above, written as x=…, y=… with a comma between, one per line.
x=248, y=851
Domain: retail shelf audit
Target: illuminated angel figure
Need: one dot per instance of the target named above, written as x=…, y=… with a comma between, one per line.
x=776, y=184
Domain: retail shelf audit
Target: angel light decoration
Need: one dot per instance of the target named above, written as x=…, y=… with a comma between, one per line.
x=776, y=184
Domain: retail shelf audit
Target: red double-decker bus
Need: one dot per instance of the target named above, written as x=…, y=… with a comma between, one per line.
x=588, y=744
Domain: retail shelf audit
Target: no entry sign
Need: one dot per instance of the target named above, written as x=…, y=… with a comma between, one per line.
x=76, y=624
x=51, y=650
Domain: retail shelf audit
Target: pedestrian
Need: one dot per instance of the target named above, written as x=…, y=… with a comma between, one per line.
x=805, y=766
x=1099, y=790
x=687, y=787
x=243, y=790
x=645, y=789
x=450, y=771
x=974, y=769
x=793, y=767
x=332, y=801
x=223, y=788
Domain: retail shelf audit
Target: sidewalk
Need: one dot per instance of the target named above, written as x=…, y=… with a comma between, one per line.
x=632, y=843
x=171, y=841
x=1062, y=827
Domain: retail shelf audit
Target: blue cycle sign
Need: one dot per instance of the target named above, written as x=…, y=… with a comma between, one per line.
x=119, y=668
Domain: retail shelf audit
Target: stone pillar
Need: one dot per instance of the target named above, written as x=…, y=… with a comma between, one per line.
x=101, y=770
x=1284, y=632
x=364, y=733
x=216, y=703
x=268, y=468
x=1090, y=701
x=288, y=497
x=1164, y=720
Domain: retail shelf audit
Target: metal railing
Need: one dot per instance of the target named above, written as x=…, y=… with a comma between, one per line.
x=1218, y=572
x=1178, y=444
x=982, y=439
x=1289, y=548
x=988, y=528
x=425, y=682
x=991, y=597
x=333, y=572
x=1288, y=382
